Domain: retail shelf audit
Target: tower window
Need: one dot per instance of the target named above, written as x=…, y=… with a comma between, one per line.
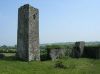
x=34, y=16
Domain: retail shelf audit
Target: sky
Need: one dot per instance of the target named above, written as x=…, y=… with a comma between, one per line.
x=59, y=20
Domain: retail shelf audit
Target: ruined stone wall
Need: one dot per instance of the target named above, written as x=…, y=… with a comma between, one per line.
x=57, y=54
x=78, y=49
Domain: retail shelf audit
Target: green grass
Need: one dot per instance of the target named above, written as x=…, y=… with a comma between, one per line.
x=9, y=65
x=9, y=54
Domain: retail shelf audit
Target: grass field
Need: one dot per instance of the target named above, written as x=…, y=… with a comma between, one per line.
x=9, y=65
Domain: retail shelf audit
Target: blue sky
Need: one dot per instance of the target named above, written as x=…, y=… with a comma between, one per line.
x=60, y=20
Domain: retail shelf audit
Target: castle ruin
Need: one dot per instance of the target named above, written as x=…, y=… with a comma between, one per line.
x=28, y=33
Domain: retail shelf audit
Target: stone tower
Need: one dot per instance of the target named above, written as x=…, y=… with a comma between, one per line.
x=28, y=33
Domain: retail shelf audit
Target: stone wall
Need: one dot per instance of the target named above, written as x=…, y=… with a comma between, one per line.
x=78, y=49
x=57, y=53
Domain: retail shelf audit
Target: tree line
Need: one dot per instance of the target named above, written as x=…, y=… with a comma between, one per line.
x=8, y=49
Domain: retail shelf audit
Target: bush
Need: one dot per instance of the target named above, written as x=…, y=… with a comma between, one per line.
x=2, y=56
x=43, y=55
x=59, y=64
x=92, y=52
x=7, y=50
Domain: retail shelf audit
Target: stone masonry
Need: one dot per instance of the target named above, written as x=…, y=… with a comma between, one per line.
x=28, y=33
x=57, y=54
x=78, y=49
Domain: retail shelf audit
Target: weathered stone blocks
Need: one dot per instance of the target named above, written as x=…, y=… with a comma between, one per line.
x=56, y=53
x=78, y=49
x=28, y=33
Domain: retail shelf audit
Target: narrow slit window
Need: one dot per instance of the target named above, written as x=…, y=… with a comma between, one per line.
x=34, y=16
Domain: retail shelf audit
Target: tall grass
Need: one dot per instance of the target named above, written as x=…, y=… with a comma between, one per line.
x=9, y=65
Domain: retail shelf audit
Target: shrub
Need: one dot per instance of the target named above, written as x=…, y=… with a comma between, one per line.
x=2, y=56
x=7, y=50
x=59, y=64
x=43, y=54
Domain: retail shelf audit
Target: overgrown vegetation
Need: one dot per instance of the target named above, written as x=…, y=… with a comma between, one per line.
x=45, y=50
x=8, y=49
x=9, y=65
x=59, y=64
